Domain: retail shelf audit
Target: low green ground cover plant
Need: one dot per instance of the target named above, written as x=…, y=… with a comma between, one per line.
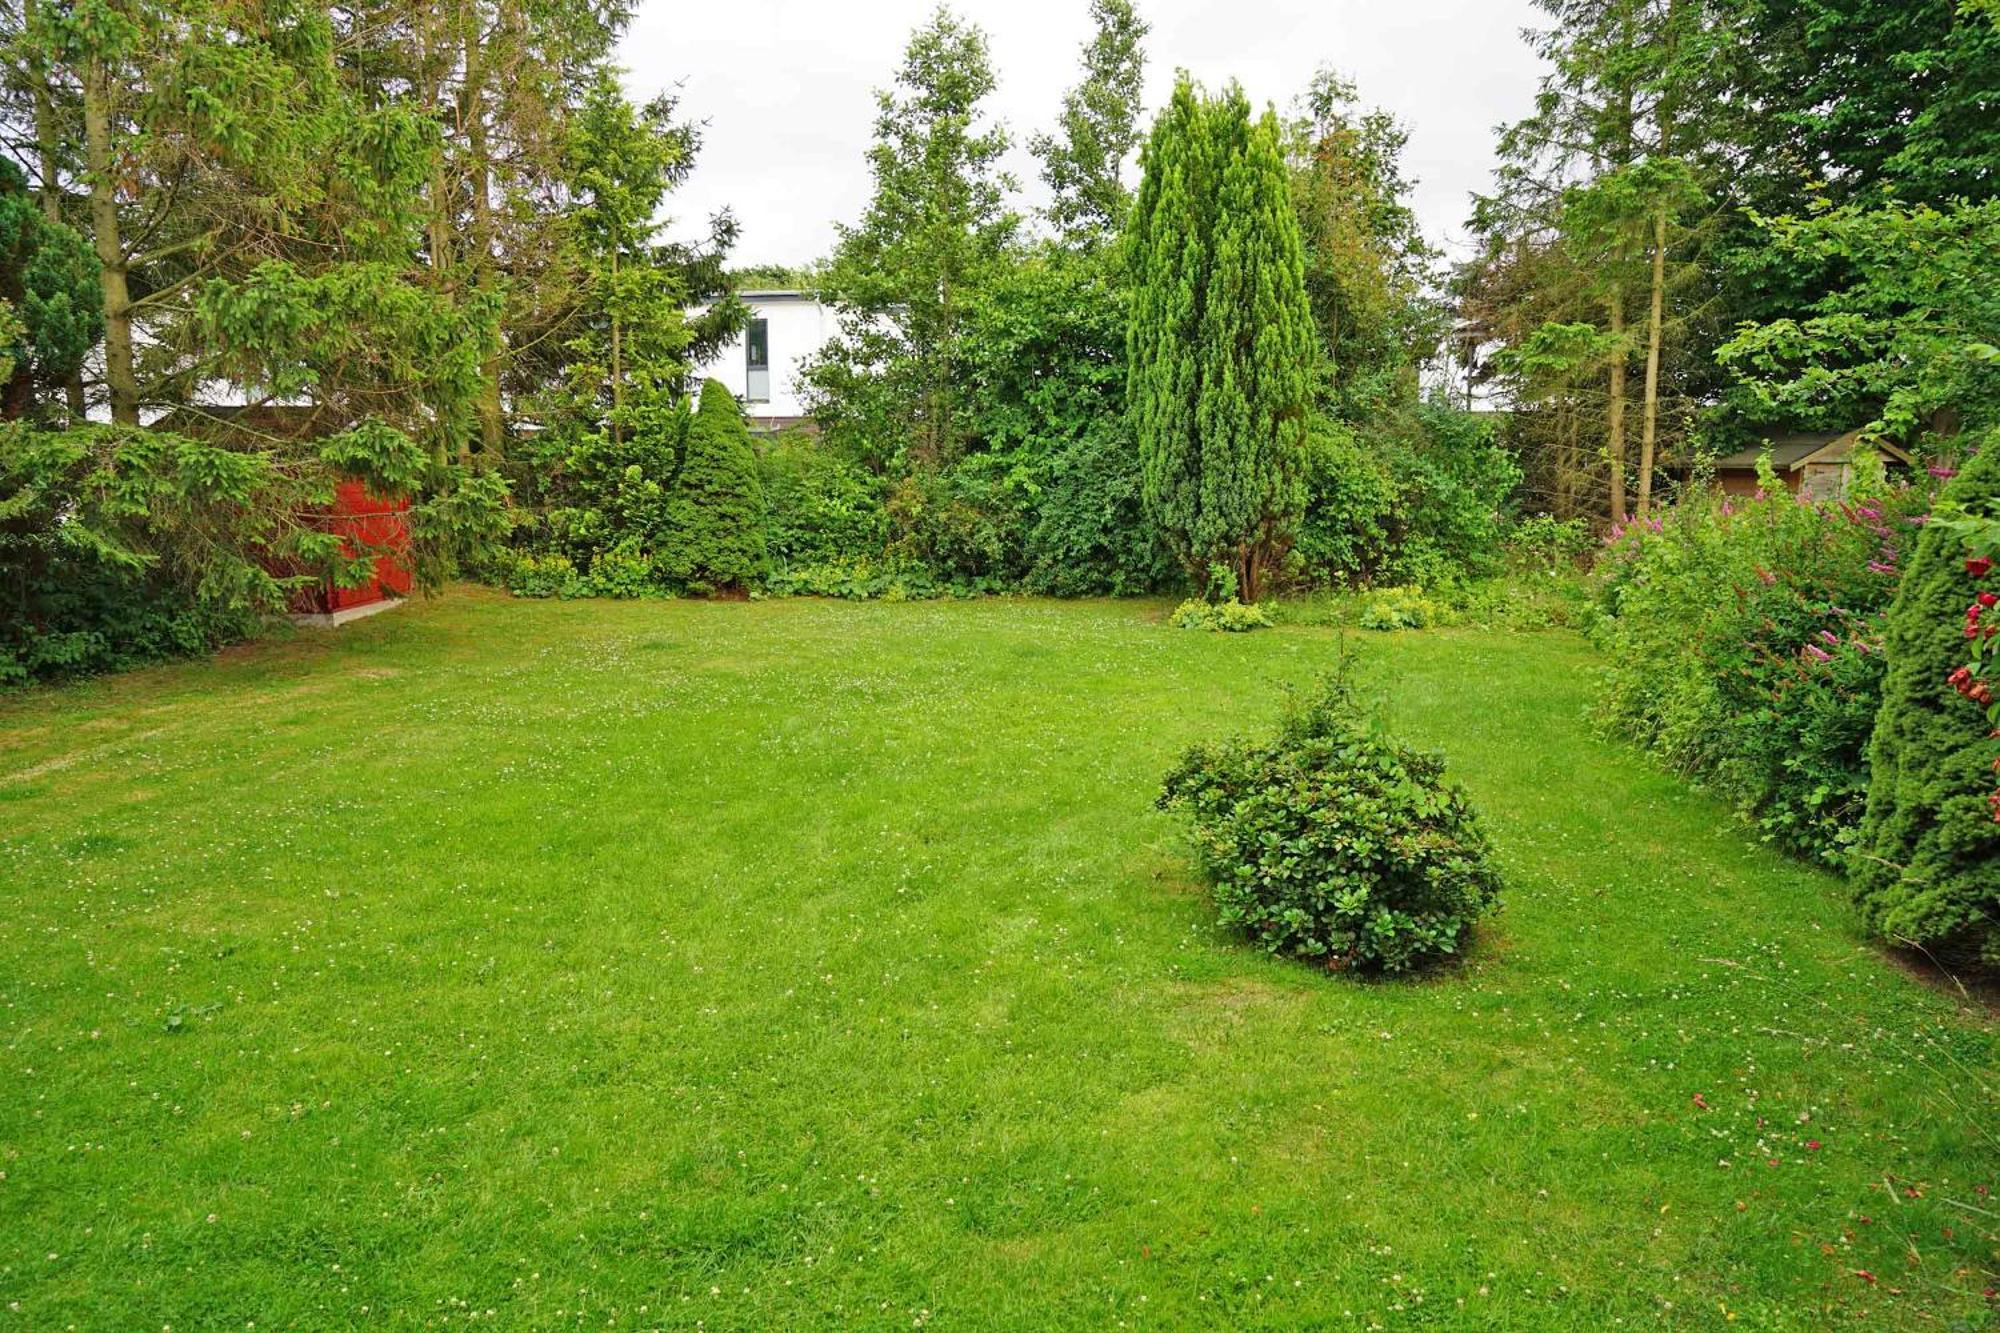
x=1331, y=842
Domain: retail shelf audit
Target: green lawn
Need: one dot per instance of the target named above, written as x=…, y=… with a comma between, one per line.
x=801, y=964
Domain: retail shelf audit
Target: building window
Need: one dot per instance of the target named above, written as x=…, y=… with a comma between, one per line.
x=757, y=361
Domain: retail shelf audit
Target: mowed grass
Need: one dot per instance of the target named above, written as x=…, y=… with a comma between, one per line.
x=795, y=964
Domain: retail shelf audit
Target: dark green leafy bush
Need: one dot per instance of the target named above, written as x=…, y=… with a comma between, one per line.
x=1331, y=842
x=1926, y=870
x=1417, y=498
x=1091, y=534
x=1343, y=534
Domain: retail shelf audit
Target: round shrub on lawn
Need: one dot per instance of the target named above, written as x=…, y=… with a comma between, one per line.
x=1926, y=869
x=1331, y=842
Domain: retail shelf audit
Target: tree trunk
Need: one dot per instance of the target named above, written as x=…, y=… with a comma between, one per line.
x=45, y=151
x=617, y=366
x=472, y=113
x=1614, y=444
x=122, y=383
x=1649, y=432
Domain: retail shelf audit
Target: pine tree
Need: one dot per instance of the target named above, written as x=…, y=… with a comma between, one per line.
x=1220, y=343
x=717, y=541
x=48, y=280
x=1926, y=870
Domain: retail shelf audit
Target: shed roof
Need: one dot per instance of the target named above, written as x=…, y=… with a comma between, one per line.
x=1791, y=452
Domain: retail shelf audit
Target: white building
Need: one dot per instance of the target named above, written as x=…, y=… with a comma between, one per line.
x=761, y=367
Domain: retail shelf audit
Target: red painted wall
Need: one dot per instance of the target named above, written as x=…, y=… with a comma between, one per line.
x=371, y=521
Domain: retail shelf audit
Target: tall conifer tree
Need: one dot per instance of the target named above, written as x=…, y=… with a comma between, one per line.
x=1221, y=336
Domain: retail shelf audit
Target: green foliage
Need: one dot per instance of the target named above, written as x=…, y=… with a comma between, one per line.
x=1745, y=647
x=1091, y=532
x=1220, y=346
x=1453, y=483
x=1100, y=128
x=531, y=575
x=1044, y=352
x=1402, y=608
x=1224, y=617
x=1545, y=544
x=1926, y=869
x=1908, y=294
x=120, y=545
x=934, y=231
x=48, y=281
x=1331, y=842
x=1350, y=505
x=817, y=507
x=716, y=534
x=861, y=578
x=1369, y=274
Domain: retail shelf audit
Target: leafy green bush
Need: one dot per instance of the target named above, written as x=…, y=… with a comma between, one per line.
x=1744, y=646
x=1418, y=499
x=1331, y=842
x=122, y=545
x=1402, y=608
x=858, y=579
x=818, y=507
x=1344, y=531
x=1544, y=544
x=1230, y=617
x=966, y=526
x=551, y=575
x=1926, y=870
x=1453, y=482
x=1091, y=533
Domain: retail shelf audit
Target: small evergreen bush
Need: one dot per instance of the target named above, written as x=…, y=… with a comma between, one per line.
x=1926, y=870
x=715, y=536
x=1331, y=842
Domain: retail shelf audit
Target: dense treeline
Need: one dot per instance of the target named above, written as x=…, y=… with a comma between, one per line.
x=1716, y=227
x=255, y=250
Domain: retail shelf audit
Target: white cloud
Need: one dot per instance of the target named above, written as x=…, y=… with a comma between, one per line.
x=786, y=87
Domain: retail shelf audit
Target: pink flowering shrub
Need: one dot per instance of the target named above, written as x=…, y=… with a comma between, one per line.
x=1744, y=637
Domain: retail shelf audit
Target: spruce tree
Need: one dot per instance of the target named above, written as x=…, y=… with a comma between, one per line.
x=1220, y=343
x=717, y=542
x=1926, y=870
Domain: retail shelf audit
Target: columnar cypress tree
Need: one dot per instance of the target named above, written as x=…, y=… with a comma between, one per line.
x=1220, y=342
x=718, y=510
x=1927, y=868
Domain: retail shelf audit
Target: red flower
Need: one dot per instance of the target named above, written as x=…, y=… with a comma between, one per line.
x=1979, y=566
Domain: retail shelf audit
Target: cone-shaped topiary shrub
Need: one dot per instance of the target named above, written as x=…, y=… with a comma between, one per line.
x=717, y=540
x=1926, y=869
x=1331, y=842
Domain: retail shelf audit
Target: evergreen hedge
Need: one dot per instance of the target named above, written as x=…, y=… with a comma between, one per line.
x=1926, y=870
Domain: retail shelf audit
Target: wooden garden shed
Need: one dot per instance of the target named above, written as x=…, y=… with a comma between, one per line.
x=1815, y=465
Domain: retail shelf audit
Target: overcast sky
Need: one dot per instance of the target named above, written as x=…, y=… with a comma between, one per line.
x=786, y=88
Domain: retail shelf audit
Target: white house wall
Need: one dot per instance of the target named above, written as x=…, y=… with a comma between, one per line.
x=798, y=327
